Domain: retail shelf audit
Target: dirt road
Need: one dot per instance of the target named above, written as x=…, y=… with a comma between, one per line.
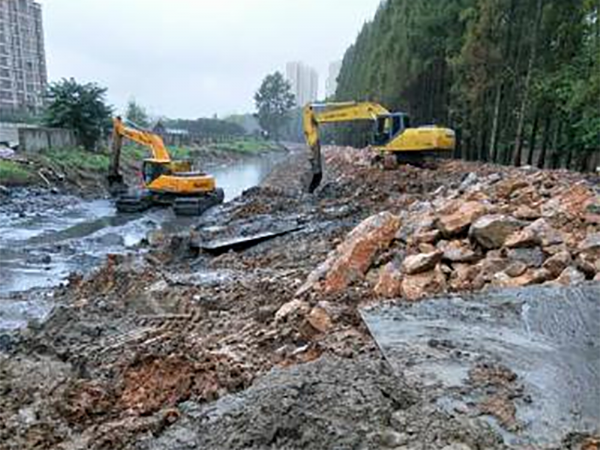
x=263, y=347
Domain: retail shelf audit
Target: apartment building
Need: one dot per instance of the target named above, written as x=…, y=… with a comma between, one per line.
x=23, y=73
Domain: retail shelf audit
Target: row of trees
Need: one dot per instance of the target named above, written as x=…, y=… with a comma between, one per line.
x=518, y=79
x=84, y=109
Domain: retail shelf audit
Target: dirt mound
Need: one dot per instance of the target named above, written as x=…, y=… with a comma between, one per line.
x=328, y=404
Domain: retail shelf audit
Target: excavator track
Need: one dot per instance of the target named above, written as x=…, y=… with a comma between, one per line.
x=133, y=203
x=196, y=206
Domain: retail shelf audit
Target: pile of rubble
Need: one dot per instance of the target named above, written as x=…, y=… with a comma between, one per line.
x=515, y=228
x=180, y=348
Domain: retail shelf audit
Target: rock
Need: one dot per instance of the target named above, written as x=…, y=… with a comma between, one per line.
x=524, y=212
x=457, y=221
x=570, y=276
x=506, y=187
x=539, y=232
x=390, y=281
x=491, y=231
x=457, y=446
x=351, y=260
x=573, y=202
x=531, y=257
x=291, y=308
x=423, y=284
x=590, y=247
x=393, y=439
x=586, y=264
x=319, y=319
x=488, y=268
x=458, y=252
x=427, y=248
x=516, y=269
x=557, y=263
x=531, y=276
x=471, y=179
x=463, y=277
x=425, y=237
x=421, y=263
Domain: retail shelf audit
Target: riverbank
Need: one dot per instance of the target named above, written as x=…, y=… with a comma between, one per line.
x=245, y=330
x=79, y=172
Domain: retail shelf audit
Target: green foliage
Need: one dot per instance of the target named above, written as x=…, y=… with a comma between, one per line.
x=12, y=173
x=246, y=145
x=80, y=107
x=274, y=100
x=75, y=159
x=479, y=67
x=137, y=114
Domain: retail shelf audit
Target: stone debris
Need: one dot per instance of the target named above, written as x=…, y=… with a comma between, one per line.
x=135, y=357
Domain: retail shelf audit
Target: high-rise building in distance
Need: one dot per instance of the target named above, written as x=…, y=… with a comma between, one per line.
x=331, y=82
x=304, y=80
x=23, y=74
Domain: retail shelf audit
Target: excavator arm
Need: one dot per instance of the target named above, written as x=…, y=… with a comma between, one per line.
x=315, y=114
x=143, y=137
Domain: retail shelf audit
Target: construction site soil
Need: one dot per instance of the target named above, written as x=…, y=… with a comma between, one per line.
x=258, y=342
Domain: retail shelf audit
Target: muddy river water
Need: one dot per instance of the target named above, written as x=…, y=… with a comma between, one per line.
x=44, y=237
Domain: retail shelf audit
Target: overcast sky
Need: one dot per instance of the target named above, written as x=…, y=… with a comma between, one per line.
x=193, y=58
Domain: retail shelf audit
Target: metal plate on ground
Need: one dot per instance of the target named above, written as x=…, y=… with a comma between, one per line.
x=548, y=336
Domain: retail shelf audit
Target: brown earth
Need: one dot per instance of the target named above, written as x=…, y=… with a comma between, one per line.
x=264, y=347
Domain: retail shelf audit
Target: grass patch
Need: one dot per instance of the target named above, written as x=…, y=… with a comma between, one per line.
x=12, y=173
x=75, y=158
x=246, y=145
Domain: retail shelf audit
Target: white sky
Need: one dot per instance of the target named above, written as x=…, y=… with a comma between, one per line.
x=193, y=58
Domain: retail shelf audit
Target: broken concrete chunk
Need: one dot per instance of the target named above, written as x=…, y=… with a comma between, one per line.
x=492, y=231
x=421, y=262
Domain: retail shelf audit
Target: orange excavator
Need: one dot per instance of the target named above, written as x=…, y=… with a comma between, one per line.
x=165, y=181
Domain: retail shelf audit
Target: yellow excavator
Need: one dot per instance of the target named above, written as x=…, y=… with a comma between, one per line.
x=393, y=133
x=164, y=181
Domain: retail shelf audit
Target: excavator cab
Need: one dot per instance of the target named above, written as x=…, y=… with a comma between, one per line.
x=152, y=169
x=389, y=126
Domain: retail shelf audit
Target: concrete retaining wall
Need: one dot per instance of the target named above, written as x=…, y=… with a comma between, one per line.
x=36, y=140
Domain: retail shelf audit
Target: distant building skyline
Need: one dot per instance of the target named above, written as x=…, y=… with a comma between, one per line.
x=331, y=83
x=304, y=80
x=23, y=72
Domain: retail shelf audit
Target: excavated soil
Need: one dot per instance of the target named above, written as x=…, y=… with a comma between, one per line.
x=183, y=348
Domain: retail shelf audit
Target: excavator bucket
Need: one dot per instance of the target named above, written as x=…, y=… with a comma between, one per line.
x=316, y=168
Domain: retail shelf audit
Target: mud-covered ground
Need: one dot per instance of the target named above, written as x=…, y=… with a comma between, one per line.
x=264, y=347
